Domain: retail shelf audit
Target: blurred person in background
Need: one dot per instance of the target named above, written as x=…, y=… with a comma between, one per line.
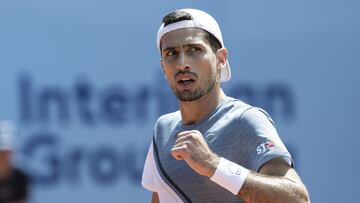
x=13, y=181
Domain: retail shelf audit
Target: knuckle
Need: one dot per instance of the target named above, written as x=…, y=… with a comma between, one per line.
x=187, y=144
x=192, y=136
x=197, y=131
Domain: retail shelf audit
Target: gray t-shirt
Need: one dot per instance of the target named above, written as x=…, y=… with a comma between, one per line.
x=234, y=130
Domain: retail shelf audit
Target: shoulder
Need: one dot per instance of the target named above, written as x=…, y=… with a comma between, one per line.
x=247, y=116
x=236, y=106
x=243, y=112
x=256, y=116
x=169, y=116
x=164, y=126
x=169, y=120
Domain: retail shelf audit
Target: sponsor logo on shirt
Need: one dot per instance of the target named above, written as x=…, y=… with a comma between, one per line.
x=265, y=147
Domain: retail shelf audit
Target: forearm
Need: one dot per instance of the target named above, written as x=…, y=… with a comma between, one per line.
x=263, y=188
x=276, y=182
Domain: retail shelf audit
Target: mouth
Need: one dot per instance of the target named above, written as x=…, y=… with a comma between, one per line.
x=185, y=81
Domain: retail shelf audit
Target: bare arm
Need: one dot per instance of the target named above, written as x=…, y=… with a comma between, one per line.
x=275, y=182
x=155, y=198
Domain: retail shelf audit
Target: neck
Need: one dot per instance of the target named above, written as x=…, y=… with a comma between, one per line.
x=193, y=111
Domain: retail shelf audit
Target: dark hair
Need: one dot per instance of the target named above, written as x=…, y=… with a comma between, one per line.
x=177, y=16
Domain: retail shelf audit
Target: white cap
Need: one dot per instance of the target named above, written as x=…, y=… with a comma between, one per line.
x=6, y=135
x=200, y=20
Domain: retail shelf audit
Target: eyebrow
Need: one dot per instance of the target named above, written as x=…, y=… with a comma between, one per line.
x=168, y=49
x=186, y=45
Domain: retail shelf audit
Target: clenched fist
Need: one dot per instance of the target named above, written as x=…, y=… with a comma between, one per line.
x=191, y=147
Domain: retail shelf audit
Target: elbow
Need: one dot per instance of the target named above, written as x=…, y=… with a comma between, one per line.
x=298, y=198
x=306, y=198
x=297, y=193
x=302, y=196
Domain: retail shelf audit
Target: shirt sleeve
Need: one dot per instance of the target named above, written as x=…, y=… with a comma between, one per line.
x=264, y=141
x=147, y=180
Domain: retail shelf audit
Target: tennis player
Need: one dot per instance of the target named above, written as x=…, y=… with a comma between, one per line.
x=215, y=148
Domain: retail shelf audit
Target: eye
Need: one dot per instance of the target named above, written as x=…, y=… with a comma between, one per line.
x=170, y=53
x=194, y=50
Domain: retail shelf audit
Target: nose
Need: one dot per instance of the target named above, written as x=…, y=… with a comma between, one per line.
x=183, y=63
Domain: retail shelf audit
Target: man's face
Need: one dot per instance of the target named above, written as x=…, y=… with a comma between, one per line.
x=190, y=65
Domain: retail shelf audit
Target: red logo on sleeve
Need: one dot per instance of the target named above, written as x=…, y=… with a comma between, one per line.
x=269, y=144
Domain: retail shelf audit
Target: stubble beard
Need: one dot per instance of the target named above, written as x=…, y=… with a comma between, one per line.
x=197, y=93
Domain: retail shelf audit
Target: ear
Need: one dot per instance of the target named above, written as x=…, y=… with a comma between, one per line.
x=222, y=56
x=162, y=67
